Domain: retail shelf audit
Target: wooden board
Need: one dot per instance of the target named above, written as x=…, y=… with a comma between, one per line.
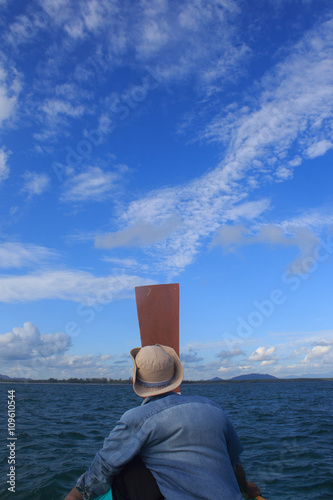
x=158, y=314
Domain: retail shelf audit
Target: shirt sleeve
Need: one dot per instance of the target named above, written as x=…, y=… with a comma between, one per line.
x=234, y=444
x=123, y=443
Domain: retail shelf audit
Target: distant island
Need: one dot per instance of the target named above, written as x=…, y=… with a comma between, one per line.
x=104, y=380
x=72, y=380
x=255, y=376
x=250, y=377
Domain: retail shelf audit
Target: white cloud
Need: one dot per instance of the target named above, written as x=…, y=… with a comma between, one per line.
x=155, y=35
x=55, y=7
x=35, y=184
x=4, y=168
x=140, y=234
x=24, y=28
x=224, y=369
x=203, y=33
x=325, y=342
x=203, y=346
x=76, y=286
x=54, y=107
x=71, y=91
x=230, y=237
x=124, y=262
x=91, y=185
x=296, y=347
x=64, y=366
x=294, y=108
x=10, y=87
x=317, y=353
x=28, y=343
x=72, y=366
x=23, y=255
x=249, y=210
x=268, y=362
x=192, y=356
x=319, y=148
x=317, y=218
x=199, y=206
x=263, y=354
x=151, y=31
x=224, y=355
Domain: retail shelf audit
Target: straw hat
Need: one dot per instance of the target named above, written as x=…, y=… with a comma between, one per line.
x=156, y=369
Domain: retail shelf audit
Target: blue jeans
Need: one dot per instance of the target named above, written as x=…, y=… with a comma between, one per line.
x=107, y=496
x=135, y=482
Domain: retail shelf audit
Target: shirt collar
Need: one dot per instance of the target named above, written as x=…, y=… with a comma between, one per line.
x=158, y=396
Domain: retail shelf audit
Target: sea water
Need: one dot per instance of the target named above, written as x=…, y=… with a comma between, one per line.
x=286, y=428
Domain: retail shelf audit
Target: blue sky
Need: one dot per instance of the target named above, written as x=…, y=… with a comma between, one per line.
x=160, y=141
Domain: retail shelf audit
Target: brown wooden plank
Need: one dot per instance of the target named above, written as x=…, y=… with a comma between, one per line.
x=158, y=314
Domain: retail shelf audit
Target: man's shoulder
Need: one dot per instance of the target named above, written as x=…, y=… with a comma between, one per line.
x=152, y=406
x=174, y=398
x=192, y=398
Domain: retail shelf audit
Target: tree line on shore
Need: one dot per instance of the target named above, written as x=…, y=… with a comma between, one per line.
x=72, y=380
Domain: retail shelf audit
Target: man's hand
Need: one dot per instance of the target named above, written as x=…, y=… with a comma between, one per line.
x=252, y=490
x=74, y=495
x=248, y=489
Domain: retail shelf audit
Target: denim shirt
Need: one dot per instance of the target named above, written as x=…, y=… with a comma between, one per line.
x=187, y=442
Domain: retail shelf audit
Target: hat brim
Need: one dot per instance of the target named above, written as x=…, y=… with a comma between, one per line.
x=144, y=392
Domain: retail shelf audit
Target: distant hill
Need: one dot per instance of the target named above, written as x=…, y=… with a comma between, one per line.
x=5, y=377
x=255, y=376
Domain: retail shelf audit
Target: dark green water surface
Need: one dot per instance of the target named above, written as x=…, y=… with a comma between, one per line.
x=286, y=429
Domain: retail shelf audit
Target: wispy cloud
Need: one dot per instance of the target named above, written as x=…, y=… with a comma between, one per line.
x=140, y=234
x=93, y=184
x=24, y=28
x=287, y=118
x=319, y=148
x=231, y=237
x=159, y=31
x=224, y=355
x=35, y=183
x=192, y=356
x=150, y=34
x=10, y=87
x=124, y=262
x=4, y=167
x=55, y=107
x=316, y=218
x=266, y=142
x=202, y=32
x=18, y=255
x=76, y=286
x=247, y=211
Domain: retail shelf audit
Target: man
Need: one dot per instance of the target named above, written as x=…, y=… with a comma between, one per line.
x=173, y=446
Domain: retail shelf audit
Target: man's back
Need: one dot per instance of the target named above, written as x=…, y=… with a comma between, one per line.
x=187, y=442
